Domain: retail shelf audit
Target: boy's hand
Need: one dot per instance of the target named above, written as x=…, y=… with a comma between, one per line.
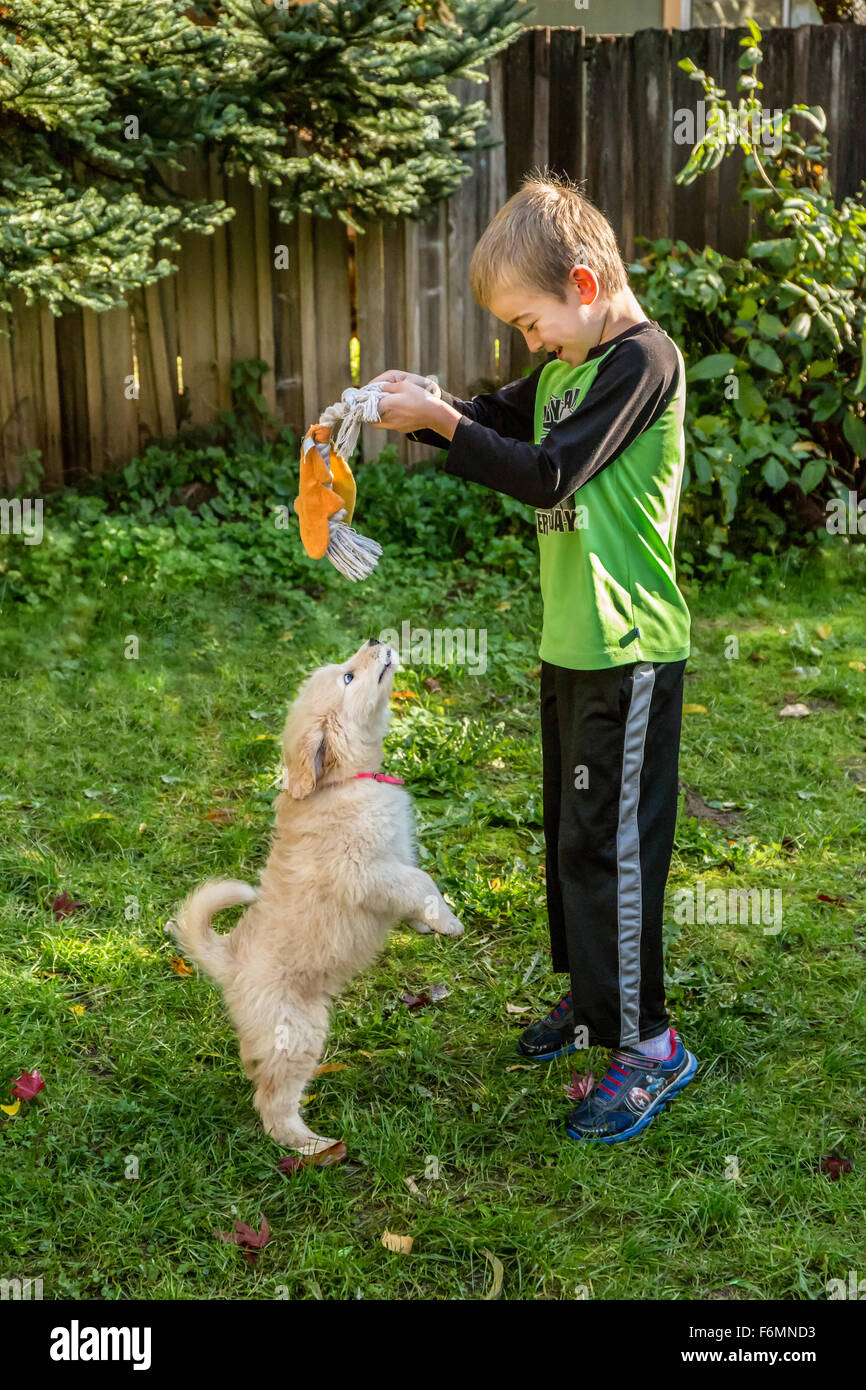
x=393, y=374
x=406, y=405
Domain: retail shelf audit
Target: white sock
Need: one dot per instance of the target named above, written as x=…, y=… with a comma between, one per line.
x=658, y=1048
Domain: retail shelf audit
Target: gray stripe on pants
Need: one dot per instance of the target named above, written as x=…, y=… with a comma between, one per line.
x=628, y=893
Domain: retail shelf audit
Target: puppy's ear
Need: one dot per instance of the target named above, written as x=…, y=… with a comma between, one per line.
x=306, y=764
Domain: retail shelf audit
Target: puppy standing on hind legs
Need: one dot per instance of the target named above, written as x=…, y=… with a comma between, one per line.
x=340, y=874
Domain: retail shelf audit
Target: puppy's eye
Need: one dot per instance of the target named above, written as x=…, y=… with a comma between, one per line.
x=348, y=677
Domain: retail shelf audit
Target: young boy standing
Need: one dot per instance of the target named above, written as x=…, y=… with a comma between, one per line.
x=593, y=440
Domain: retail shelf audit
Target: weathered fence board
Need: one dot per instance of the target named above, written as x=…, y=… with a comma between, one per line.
x=601, y=110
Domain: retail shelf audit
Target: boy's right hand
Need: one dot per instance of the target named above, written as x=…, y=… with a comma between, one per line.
x=393, y=374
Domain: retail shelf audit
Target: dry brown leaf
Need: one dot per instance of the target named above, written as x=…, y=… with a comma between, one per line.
x=329, y=1067
x=797, y=711
x=180, y=966
x=401, y=1245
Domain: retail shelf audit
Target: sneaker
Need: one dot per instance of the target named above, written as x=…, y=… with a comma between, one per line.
x=552, y=1036
x=631, y=1093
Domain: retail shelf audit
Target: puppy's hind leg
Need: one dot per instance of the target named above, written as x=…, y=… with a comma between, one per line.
x=280, y=1077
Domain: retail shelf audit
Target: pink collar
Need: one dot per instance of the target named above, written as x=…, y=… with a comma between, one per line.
x=380, y=777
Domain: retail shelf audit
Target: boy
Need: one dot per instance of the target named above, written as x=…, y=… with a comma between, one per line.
x=593, y=440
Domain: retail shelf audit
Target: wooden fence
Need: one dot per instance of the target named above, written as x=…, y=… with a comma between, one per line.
x=599, y=109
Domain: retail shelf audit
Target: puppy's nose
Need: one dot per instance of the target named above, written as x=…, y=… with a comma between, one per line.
x=374, y=642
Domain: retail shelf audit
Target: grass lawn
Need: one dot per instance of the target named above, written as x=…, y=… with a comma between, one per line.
x=145, y=1138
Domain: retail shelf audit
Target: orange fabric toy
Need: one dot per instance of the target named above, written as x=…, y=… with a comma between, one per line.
x=325, y=489
x=326, y=495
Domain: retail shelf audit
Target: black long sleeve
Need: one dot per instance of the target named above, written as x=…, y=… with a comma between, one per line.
x=491, y=446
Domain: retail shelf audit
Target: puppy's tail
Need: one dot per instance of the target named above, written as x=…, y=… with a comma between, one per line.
x=193, y=932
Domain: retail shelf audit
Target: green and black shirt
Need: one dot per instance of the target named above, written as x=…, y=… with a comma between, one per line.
x=598, y=451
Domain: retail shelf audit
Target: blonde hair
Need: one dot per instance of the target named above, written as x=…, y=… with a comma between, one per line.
x=543, y=230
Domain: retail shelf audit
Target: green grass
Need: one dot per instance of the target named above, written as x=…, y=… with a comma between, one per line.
x=112, y=767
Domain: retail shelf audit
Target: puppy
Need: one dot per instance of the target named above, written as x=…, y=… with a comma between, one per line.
x=341, y=872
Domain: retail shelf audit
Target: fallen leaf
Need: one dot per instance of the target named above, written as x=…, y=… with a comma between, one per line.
x=857, y=665
x=837, y=902
x=328, y=1067
x=285, y=637
x=415, y=1001
x=823, y=631
x=522, y=1066
x=325, y=1158
x=415, y=1189
x=222, y=815
x=794, y=712
x=250, y=1241
x=258, y=713
x=438, y=992
x=757, y=656
x=180, y=967
x=496, y=884
x=11, y=1109
x=580, y=1086
x=28, y=1085
x=694, y=709
x=503, y=607
x=496, y=1287
x=433, y=685
x=518, y=1008
x=401, y=1245
x=64, y=906
x=834, y=1166
x=403, y=695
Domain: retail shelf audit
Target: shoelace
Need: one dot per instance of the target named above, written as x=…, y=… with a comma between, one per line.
x=563, y=1006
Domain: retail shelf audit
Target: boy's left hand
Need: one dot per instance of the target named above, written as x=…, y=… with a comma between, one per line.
x=405, y=407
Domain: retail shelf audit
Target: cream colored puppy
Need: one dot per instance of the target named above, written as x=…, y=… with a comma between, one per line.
x=340, y=874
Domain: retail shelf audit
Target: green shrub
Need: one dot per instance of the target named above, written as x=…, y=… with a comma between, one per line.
x=773, y=341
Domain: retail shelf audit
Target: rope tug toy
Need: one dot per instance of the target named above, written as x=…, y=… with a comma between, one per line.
x=326, y=496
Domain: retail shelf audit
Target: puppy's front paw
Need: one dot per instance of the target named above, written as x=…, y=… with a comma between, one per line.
x=449, y=926
x=419, y=925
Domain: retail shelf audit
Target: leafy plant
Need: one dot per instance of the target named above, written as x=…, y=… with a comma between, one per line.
x=777, y=381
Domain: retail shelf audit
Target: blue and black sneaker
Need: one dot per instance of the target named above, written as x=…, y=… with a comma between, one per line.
x=630, y=1094
x=552, y=1036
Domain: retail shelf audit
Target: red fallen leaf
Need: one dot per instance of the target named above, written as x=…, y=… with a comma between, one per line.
x=432, y=684
x=415, y=1001
x=28, y=1085
x=580, y=1086
x=325, y=1158
x=834, y=1166
x=222, y=815
x=64, y=906
x=838, y=902
x=250, y=1241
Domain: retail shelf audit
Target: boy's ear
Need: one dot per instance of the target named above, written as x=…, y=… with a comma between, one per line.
x=306, y=763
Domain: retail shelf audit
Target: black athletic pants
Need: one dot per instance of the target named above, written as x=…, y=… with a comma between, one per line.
x=610, y=746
